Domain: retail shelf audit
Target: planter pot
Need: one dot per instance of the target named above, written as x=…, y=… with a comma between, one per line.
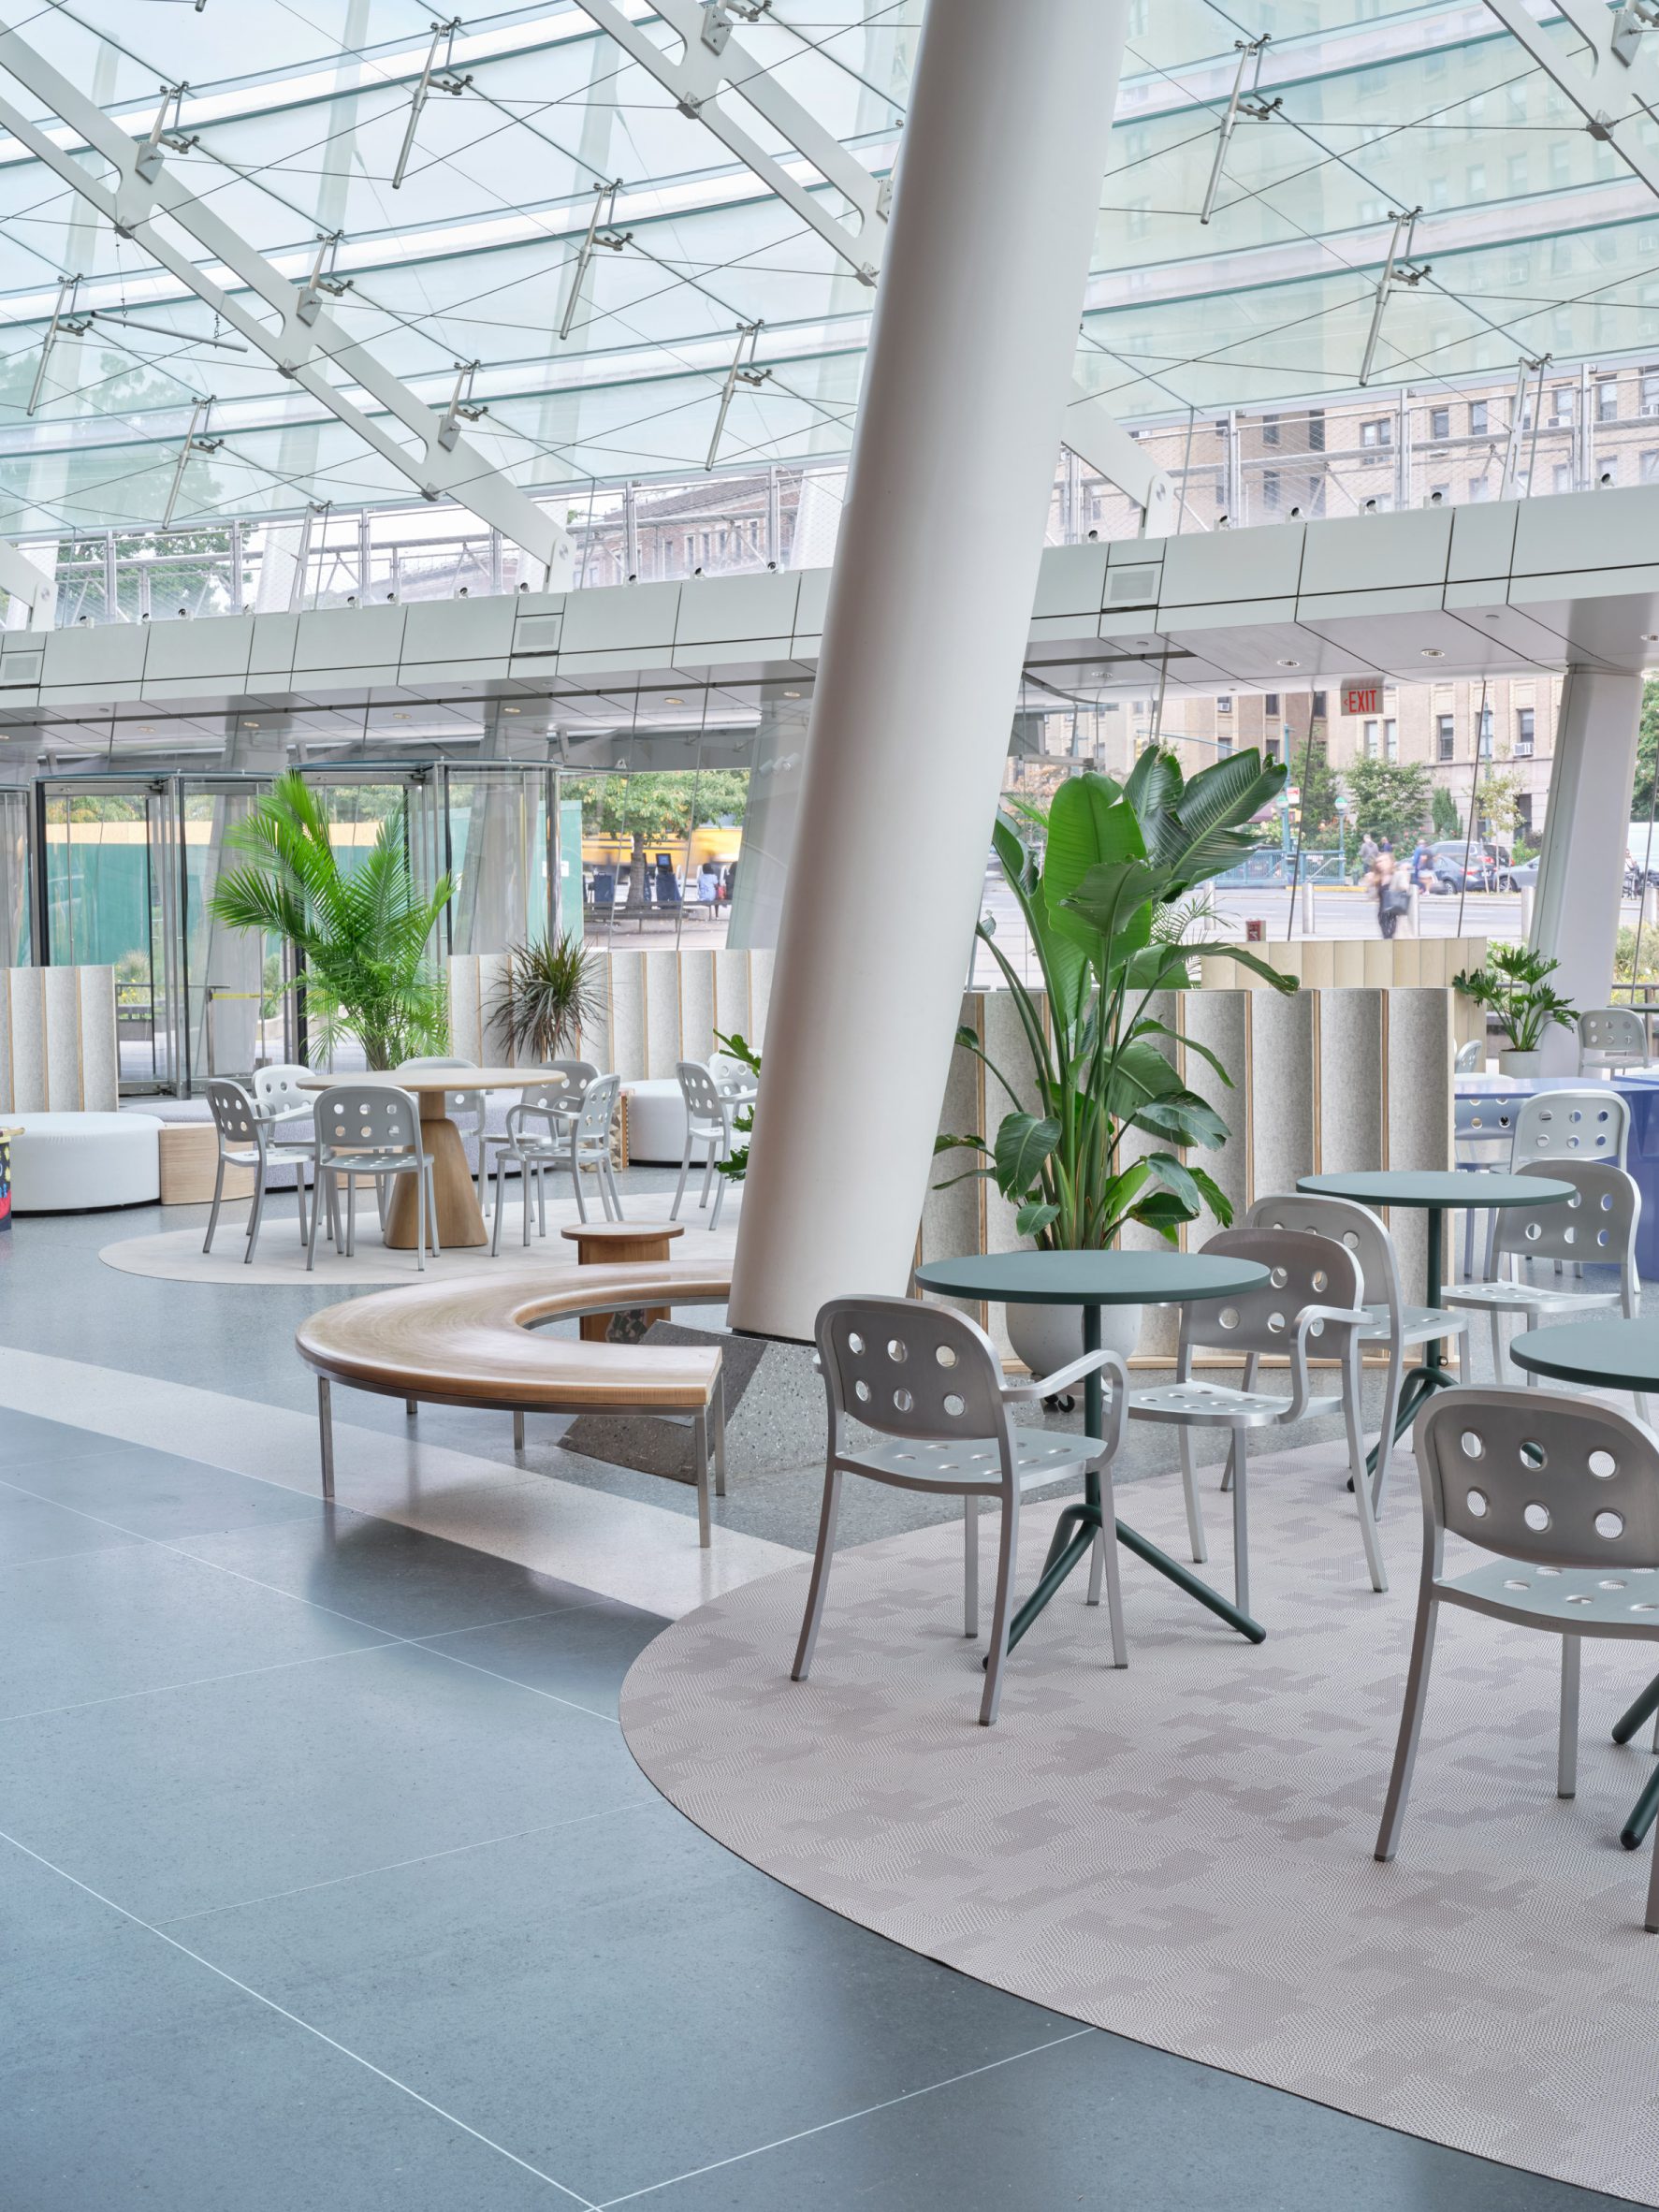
x=1047, y=1336
x=1512, y=1063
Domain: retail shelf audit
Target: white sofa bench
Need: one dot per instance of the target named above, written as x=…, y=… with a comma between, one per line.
x=78, y=1163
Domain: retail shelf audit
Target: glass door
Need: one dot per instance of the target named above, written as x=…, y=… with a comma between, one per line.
x=111, y=851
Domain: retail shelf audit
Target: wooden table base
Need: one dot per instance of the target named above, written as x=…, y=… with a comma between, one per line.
x=600, y=1244
x=460, y=1221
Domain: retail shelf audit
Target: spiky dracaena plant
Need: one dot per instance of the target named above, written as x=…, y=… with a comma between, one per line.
x=361, y=933
x=1108, y=902
x=550, y=991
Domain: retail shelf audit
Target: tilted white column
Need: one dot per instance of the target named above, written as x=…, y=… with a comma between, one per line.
x=965, y=391
x=1581, y=868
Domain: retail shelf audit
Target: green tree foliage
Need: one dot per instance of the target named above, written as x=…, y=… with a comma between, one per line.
x=1647, y=752
x=1392, y=799
x=657, y=809
x=1447, y=821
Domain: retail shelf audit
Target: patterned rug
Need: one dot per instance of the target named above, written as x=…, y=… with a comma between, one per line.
x=1181, y=1851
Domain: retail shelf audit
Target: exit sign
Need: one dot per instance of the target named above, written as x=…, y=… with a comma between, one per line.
x=1361, y=695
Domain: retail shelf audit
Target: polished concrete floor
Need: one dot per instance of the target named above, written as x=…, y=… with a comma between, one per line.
x=326, y=1877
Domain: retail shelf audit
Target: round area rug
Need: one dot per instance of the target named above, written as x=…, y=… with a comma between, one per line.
x=176, y=1254
x=1181, y=1851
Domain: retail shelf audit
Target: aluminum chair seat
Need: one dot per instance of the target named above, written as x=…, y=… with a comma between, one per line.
x=1589, y=1601
x=1041, y=1456
x=361, y=1163
x=276, y=1156
x=1418, y=1324
x=1530, y=1298
x=1218, y=1406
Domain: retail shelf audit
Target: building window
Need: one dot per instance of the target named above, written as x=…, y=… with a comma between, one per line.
x=1606, y=399
x=1477, y=417
x=1316, y=431
x=1270, y=429
x=1224, y=703
x=1485, y=732
x=1269, y=703
x=1320, y=706
x=1562, y=410
x=1373, y=436
x=1391, y=739
x=1523, y=733
x=1649, y=467
x=1440, y=422
x=1650, y=391
x=1224, y=746
x=1269, y=491
x=1564, y=476
x=1271, y=750
x=1517, y=173
x=1480, y=488
x=1445, y=736
x=1370, y=741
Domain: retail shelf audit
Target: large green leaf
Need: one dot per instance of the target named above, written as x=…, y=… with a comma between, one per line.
x=1184, y=1117
x=1139, y=1072
x=1114, y=900
x=1023, y=1144
x=1089, y=825
x=1064, y=962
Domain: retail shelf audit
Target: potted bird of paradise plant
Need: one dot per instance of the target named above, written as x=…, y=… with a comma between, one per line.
x=1104, y=889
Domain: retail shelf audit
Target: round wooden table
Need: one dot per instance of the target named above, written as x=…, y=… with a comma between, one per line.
x=1092, y=1280
x=600, y=1244
x=461, y=1219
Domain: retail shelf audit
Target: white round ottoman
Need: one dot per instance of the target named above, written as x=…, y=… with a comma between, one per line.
x=657, y=1120
x=75, y=1163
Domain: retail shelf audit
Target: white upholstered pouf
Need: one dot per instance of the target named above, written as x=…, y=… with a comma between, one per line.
x=655, y=1120
x=64, y=1163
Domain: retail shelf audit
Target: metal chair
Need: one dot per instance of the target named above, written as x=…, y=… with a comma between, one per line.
x=708, y=1123
x=1311, y=1299
x=278, y=1093
x=370, y=1129
x=1595, y=1227
x=245, y=1141
x=585, y=1142
x=1470, y=1058
x=1483, y=1136
x=928, y=1382
x=457, y=1103
x=1564, y=1495
x=1390, y=1322
x=556, y=1105
x=1611, y=1038
x=1591, y=1123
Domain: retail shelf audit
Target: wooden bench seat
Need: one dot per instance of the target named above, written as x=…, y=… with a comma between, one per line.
x=480, y=1342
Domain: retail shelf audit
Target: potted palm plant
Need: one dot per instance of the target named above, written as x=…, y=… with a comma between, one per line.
x=1514, y=986
x=361, y=934
x=549, y=992
x=1107, y=899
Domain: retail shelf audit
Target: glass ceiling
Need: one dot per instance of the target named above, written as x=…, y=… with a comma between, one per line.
x=1539, y=239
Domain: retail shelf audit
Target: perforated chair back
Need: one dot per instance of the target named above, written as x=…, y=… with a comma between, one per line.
x=1572, y=1125
x=235, y=1115
x=460, y=1101
x=1596, y=1225
x=700, y=1092
x=1531, y=1475
x=1612, y=1033
x=280, y=1089
x=1303, y=1270
x=1355, y=1228
x=1469, y=1059
x=353, y=1117
x=905, y=1369
x=562, y=1089
x=597, y=1110
x=1480, y=1126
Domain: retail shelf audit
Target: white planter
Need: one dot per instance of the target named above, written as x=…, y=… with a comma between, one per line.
x=1047, y=1336
x=1513, y=1063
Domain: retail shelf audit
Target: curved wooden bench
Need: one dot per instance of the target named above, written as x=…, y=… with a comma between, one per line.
x=476, y=1343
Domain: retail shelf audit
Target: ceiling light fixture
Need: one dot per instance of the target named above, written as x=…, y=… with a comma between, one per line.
x=792, y=694
x=1290, y=663
x=1651, y=637
x=674, y=702
x=1433, y=653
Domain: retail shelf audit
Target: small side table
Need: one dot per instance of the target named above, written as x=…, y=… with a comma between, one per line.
x=601, y=1242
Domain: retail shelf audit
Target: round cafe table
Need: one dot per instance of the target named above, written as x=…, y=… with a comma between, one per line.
x=461, y=1219
x=1092, y=1280
x=1436, y=1192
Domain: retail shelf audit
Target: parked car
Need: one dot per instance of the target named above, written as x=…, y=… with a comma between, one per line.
x=1526, y=877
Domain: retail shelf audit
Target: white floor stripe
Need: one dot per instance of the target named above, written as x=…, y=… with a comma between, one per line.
x=640, y=1554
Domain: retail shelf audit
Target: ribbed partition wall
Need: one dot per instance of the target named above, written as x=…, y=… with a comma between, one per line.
x=57, y=1040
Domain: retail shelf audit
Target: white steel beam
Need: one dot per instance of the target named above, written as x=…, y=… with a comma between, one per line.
x=1616, y=87
x=307, y=344
x=712, y=58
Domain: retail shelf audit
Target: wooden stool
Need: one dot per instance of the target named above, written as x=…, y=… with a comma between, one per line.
x=601, y=1242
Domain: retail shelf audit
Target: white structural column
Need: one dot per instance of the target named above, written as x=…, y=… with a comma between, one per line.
x=1581, y=868
x=964, y=392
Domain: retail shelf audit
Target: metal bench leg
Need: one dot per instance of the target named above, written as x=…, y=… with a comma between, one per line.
x=326, y=1435
x=720, y=1437
x=519, y=1429
x=699, y=1443
x=409, y=1408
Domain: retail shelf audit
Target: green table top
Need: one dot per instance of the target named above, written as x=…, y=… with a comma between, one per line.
x=1624, y=1355
x=1090, y=1278
x=1383, y=1187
